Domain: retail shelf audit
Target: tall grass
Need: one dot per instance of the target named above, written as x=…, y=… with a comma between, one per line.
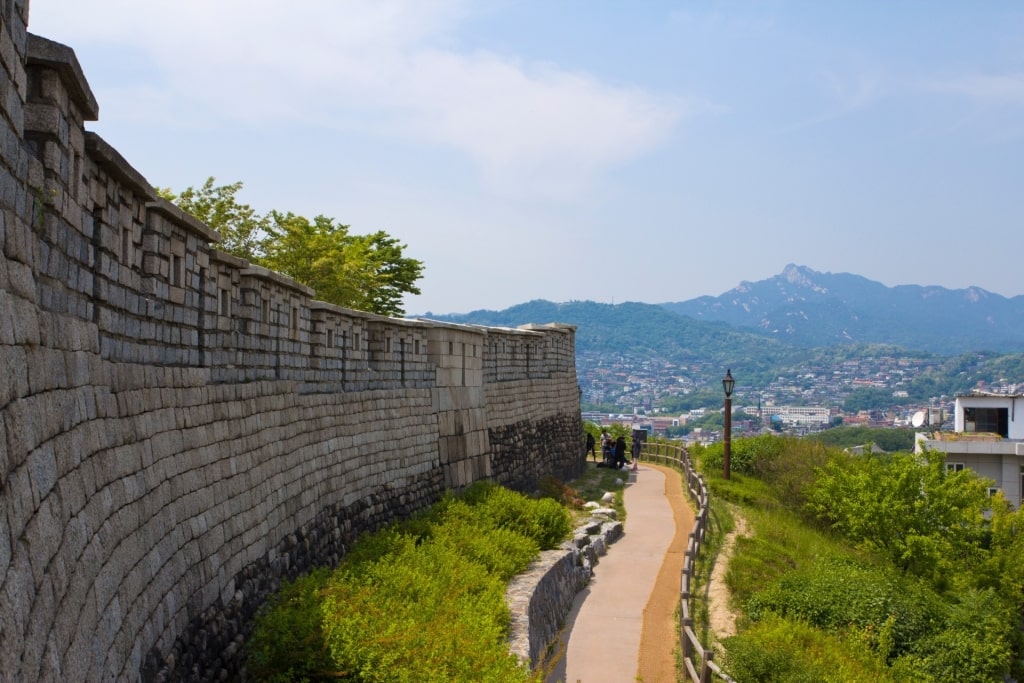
x=419, y=601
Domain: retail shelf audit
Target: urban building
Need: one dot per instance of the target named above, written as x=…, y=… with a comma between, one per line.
x=987, y=438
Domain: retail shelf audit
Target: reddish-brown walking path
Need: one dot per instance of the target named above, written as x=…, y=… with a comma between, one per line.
x=622, y=626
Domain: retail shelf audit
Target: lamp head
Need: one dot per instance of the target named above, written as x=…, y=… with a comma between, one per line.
x=728, y=383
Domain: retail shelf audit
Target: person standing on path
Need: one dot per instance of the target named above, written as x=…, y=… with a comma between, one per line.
x=606, y=446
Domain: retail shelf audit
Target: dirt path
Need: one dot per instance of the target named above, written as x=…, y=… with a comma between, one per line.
x=659, y=638
x=723, y=620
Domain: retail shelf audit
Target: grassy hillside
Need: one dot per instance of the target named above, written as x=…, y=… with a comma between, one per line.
x=874, y=568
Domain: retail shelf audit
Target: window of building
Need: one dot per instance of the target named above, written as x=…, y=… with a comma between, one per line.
x=987, y=420
x=992, y=490
x=955, y=467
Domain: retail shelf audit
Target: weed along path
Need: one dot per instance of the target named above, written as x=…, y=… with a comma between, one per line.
x=622, y=626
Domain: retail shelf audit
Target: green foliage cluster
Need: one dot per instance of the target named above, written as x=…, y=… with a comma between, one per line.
x=748, y=456
x=422, y=600
x=616, y=430
x=888, y=610
x=869, y=398
x=879, y=567
x=886, y=438
x=362, y=272
x=780, y=650
x=924, y=519
x=961, y=373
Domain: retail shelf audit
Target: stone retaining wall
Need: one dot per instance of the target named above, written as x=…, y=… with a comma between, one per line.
x=541, y=597
x=181, y=430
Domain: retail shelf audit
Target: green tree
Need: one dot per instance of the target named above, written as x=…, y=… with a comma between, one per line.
x=927, y=520
x=363, y=272
x=885, y=438
x=869, y=398
x=241, y=227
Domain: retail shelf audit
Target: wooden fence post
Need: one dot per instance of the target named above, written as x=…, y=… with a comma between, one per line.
x=705, y=668
x=684, y=624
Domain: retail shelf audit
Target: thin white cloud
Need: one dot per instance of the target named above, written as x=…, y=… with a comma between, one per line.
x=533, y=127
x=1008, y=88
x=851, y=91
x=381, y=65
x=842, y=95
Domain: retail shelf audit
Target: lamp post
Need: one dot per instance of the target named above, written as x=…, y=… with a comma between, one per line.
x=727, y=384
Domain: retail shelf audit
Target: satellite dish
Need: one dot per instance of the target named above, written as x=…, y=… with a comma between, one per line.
x=918, y=419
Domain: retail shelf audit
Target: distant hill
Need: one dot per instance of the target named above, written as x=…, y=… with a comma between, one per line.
x=805, y=308
x=643, y=331
x=654, y=334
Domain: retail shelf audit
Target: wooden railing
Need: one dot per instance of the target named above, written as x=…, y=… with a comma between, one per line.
x=698, y=660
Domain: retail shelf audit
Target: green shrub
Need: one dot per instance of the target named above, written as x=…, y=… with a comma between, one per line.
x=426, y=613
x=421, y=600
x=781, y=650
x=287, y=641
x=854, y=563
x=834, y=594
x=544, y=520
x=746, y=456
x=975, y=645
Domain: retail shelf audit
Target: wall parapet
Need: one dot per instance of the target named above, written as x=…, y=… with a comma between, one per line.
x=181, y=430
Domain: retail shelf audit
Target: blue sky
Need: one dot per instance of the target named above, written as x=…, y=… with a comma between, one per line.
x=588, y=150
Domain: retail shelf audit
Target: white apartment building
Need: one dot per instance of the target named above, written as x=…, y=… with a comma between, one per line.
x=798, y=415
x=988, y=438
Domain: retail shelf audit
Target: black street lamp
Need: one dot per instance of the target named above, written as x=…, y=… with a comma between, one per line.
x=727, y=384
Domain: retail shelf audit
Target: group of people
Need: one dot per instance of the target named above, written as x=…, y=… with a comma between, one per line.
x=613, y=451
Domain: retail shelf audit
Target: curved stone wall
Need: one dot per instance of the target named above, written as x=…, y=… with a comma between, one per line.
x=181, y=430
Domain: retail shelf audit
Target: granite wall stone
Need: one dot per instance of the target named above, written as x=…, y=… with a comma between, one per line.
x=181, y=430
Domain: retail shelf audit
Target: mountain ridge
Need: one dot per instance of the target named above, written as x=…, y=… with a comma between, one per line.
x=807, y=308
x=799, y=308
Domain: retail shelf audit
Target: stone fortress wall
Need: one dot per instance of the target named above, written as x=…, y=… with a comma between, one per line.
x=180, y=430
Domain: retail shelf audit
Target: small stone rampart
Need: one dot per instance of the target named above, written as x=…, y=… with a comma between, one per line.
x=181, y=430
x=540, y=598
